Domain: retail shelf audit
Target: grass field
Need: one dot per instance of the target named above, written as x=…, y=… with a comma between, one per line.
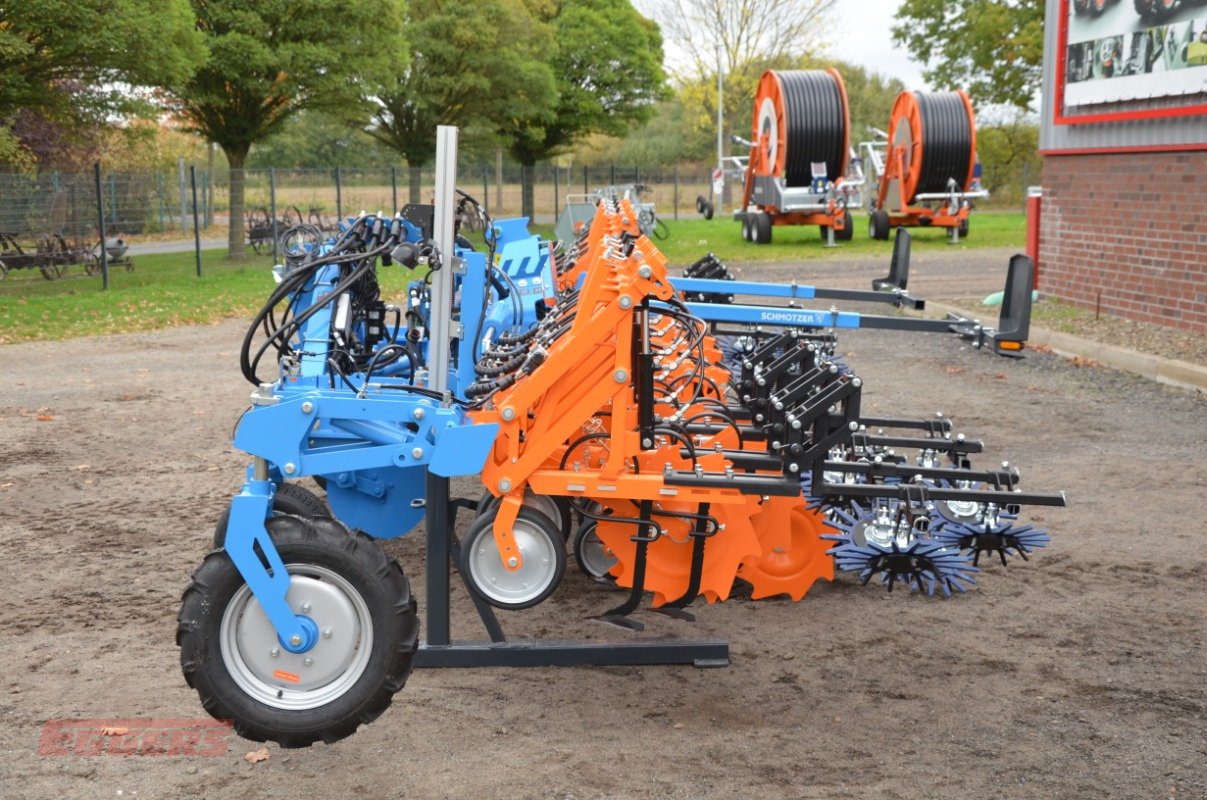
x=690, y=239
x=163, y=290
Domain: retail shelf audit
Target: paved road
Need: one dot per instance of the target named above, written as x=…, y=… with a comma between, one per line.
x=175, y=246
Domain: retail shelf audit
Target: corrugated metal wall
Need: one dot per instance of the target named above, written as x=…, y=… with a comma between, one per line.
x=1141, y=133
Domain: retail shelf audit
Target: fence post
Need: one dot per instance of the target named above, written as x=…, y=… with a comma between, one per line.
x=556, y=194
x=394, y=189
x=272, y=202
x=676, y=191
x=586, y=180
x=159, y=196
x=196, y=226
x=183, y=200
x=485, y=189
x=339, y=197
x=100, y=224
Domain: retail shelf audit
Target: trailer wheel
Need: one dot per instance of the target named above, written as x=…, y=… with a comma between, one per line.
x=761, y=228
x=707, y=210
x=592, y=555
x=700, y=201
x=543, y=550
x=357, y=596
x=848, y=228
x=963, y=228
x=878, y=224
x=746, y=235
x=290, y=498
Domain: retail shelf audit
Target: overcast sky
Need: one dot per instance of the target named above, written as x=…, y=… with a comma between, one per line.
x=863, y=37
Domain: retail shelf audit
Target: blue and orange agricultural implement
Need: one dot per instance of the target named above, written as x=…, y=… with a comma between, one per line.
x=688, y=439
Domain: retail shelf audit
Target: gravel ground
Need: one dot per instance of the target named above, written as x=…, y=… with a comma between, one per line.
x=1077, y=675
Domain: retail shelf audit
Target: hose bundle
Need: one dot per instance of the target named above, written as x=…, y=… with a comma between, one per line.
x=801, y=118
x=939, y=130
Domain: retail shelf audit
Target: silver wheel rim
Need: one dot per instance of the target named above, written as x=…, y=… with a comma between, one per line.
x=268, y=673
x=530, y=581
x=593, y=555
x=545, y=505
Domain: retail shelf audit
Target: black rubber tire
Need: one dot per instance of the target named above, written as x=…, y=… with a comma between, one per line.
x=878, y=224
x=482, y=527
x=700, y=201
x=290, y=498
x=761, y=228
x=963, y=228
x=848, y=228
x=708, y=210
x=357, y=559
x=747, y=235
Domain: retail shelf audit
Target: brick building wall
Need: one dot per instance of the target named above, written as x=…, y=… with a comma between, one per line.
x=1129, y=229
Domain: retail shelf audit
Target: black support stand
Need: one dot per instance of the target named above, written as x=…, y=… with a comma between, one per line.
x=439, y=650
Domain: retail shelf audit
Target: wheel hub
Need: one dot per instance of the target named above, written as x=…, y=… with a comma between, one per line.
x=514, y=586
x=333, y=651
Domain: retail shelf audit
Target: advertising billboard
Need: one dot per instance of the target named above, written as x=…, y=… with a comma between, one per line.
x=1129, y=51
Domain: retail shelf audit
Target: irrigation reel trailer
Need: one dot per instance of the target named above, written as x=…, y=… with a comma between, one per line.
x=925, y=167
x=592, y=390
x=800, y=170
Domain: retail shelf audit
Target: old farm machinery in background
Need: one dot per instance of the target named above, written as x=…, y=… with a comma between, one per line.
x=675, y=437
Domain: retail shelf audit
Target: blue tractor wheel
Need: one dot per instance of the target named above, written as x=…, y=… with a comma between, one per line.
x=353, y=597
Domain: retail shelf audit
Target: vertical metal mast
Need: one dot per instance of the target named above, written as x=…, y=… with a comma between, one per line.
x=442, y=280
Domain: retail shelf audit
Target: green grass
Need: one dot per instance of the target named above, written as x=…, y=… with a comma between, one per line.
x=689, y=239
x=163, y=290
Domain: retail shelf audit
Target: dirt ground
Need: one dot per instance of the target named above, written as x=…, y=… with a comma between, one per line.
x=1078, y=675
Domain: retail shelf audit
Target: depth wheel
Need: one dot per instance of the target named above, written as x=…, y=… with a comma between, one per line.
x=290, y=498
x=593, y=556
x=556, y=509
x=544, y=560
x=357, y=597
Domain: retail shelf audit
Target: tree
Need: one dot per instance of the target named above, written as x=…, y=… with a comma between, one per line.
x=71, y=60
x=474, y=63
x=270, y=59
x=747, y=31
x=1009, y=152
x=608, y=64
x=314, y=140
x=992, y=48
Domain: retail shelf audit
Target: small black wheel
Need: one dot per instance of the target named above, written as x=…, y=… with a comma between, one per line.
x=963, y=228
x=354, y=594
x=290, y=498
x=700, y=201
x=878, y=224
x=848, y=227
x=544, y=560
x=746, y=235
x=707, y=211
x=761, y=228
x=592, y=555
